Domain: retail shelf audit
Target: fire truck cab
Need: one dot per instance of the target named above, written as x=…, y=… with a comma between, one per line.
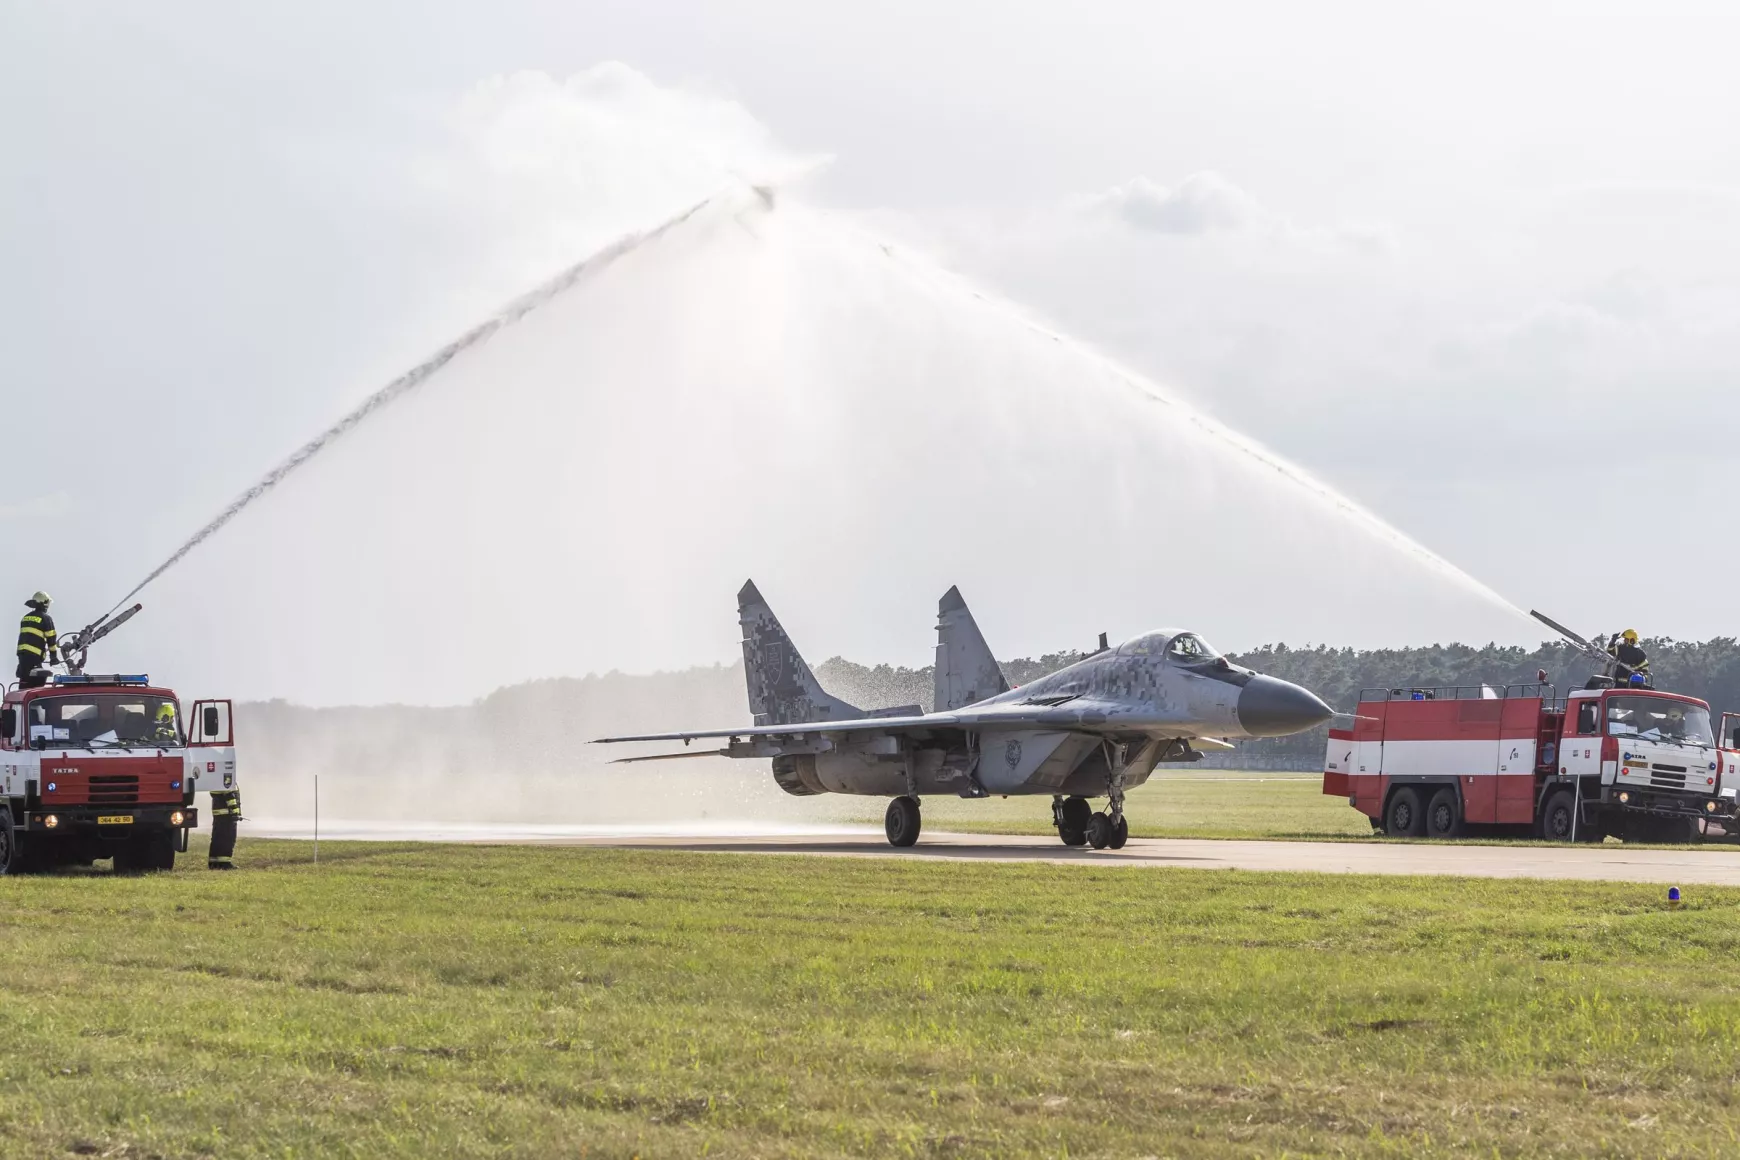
x=95, y=767
x=1630, y=762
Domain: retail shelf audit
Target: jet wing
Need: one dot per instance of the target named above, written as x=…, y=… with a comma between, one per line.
x=805, y=729
x=1077, y=714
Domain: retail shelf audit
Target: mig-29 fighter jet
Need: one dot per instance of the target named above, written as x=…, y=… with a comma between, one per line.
x=1096, y=728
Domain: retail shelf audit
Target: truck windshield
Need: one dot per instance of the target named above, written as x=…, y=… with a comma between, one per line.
x=95, y=720
x=1655, y=718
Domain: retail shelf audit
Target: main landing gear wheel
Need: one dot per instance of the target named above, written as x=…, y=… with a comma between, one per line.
x=1072, y=815
x=1100, y=830
x=902, y=821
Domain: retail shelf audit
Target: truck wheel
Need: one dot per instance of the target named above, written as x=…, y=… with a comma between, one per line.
x=1444, y=815
x=902, y=821
x=8, y=842
x=129, y=858
x=145, y=852
x=1405, y=818
x=1559, y=816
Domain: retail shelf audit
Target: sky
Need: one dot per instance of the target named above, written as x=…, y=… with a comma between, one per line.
x=1473, y=265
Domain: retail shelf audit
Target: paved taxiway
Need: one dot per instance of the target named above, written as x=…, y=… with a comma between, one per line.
x=1612, y=862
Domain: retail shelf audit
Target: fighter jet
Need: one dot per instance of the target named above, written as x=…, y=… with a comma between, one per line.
x=1095, y=729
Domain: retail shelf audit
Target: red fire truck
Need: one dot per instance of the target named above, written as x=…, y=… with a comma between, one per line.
x=95, y=767
x=1626, y=761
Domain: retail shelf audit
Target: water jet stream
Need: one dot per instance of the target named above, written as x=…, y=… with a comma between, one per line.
x=1217, y=432
x=422, y=373
x=802, y=316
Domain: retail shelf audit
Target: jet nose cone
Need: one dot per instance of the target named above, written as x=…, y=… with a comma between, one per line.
x=1271, y=707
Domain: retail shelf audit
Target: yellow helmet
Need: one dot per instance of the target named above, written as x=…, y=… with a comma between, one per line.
x=1630, y=635
x=166, y=712
x=40, y=598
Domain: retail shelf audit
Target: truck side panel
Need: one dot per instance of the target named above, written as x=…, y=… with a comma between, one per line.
x=1447, y=741
x=1338, y=763
x=1365, y=784
x=1518, y=753
x=1480, y=798
x=1486, y=747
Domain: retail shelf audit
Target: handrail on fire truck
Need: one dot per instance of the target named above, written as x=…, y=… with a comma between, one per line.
x=1531, y=689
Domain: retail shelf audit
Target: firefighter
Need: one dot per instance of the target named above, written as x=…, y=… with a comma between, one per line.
x=226, y=811
x=166, y=730
x=37, y=642
x=1628, y=658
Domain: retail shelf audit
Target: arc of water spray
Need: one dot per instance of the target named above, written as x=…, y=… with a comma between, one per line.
x=424, y=371
x=1216, y=431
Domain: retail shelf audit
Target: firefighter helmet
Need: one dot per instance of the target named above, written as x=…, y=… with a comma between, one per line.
x=1630, y=635
x=41, y=598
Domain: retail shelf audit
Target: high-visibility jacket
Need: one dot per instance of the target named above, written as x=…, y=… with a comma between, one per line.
x=1629, y=660
x=36, y=635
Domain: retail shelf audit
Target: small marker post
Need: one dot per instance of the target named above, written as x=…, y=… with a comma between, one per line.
x=1674, y=898
x=317, y=819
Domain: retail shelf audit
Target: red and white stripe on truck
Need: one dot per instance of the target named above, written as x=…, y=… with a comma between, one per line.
x=1489, y=747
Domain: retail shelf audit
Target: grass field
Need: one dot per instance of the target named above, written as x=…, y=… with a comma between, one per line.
x=427, y=1000
x=1196, y=805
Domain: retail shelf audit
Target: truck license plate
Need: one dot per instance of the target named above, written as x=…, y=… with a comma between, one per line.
x=115, y=820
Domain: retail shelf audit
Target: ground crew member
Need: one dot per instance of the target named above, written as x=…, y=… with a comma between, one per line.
x=38, y=645
x=226, y=811
x=1627, y=657
x=166, y=730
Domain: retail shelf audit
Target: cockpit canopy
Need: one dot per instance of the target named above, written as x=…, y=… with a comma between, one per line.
x=1184, y=648
x=1189, y=649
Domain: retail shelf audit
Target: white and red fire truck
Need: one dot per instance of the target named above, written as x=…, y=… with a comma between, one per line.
x=95, y=767
x=1626, y=761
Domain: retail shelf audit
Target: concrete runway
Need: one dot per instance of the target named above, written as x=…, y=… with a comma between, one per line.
x=1612, y=862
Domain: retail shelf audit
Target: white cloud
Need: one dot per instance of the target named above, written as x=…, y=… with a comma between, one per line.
x=1206, y=202
x=1202, y=203
x=39, y=507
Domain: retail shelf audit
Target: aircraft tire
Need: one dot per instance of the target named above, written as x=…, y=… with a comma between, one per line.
x=902, y=822
x=1072, y=826
x=1120, y=834
x=1099, y=831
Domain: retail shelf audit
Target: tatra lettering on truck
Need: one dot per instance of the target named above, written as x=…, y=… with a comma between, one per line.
x=1637, y=764
x=100, y=767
